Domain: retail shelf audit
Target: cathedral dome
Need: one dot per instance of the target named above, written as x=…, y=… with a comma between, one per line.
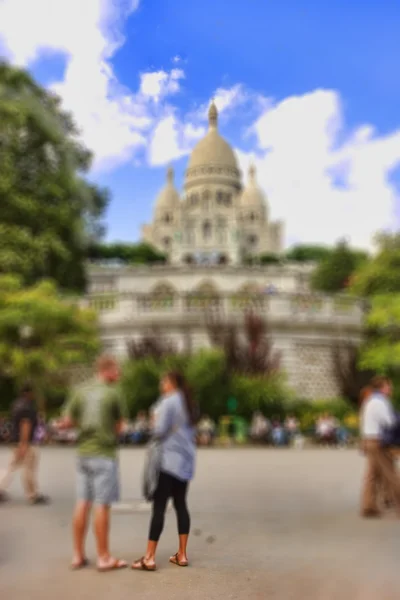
x=252, y=195
x=168, y=198
x=213, y=157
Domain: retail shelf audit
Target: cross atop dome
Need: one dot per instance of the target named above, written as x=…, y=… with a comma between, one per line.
x=252, y=173
x=170, y=174
x=213, y=115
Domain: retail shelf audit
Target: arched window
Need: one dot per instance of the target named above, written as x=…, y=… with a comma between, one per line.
x=220, y=197
x=207, y=230
x=167, y=218
x=161, y=298
x=252, y=216
x=205, y=297
x=206, y=199
x=228, y=199
x=252, y=240
x=167, y=243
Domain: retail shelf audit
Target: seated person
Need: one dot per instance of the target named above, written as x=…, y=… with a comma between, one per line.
x=206, y=431
x=140, y=428
x=291, y=426
x=279, y=435
x=326, y=429
x=259, y=428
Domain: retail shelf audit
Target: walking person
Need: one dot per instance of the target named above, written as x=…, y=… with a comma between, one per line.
x=98, y=413
x=24, y=418
x=376, y=415
x=174, y=423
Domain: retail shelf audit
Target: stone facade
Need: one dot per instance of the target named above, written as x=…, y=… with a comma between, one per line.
x=177, y=301
x=216, y=220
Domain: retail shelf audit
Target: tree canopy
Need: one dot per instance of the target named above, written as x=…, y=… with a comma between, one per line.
x=42, y=334
x=126, y=253
x=381, y=274
x=333, y=273
x=308, y=253
x=49, y=211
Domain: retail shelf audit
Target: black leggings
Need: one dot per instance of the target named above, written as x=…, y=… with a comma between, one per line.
x=169, y=487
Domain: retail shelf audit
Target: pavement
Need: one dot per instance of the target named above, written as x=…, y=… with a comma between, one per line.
x=266, y=524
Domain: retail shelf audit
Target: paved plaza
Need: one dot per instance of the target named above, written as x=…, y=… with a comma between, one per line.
x=267, y=524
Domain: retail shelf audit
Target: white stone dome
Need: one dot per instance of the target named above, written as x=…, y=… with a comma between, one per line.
x=168, y=198
x=252, y=196
x=213, y=158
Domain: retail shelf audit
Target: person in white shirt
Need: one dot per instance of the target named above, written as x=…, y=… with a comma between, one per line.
x=377, y=414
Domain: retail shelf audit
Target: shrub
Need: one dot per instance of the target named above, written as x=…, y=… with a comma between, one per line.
x=206, y=373
x=267, y=395
x=308, y=411
x=140, y=383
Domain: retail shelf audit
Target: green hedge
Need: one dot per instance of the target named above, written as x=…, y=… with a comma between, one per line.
x=206, y=373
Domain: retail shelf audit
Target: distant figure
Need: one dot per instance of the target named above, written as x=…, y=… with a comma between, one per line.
x=326, y=429
x=279, y=436
x=25, y=455
x=41, y=431
x=98, y=413
x=291, y=426
x=174, y=424
x=259, y=428
x=140, y=428
x=377, y=415
x=206, y=431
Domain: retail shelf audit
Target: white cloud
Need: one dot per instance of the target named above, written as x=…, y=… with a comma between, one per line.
x=172, y=140
x=229, y=98
x=322, y=183
x=159, y=84
x=114, y=121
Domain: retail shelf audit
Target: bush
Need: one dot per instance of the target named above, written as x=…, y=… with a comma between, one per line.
x=207, y=375
x=308, y=411
x=259, y=393
x=140, y=383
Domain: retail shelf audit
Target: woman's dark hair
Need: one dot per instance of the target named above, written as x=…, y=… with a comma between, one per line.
x=190, y=404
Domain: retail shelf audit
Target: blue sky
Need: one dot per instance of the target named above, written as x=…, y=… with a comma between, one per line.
x=316, y=105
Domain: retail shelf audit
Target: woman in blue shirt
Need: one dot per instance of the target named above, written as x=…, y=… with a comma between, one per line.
x=175, y=416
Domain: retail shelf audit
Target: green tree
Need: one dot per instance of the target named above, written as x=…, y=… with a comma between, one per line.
x=42, y=335
x=381, y=274
x=308, y=253
x=49, y=212
x=126, y=253
x=334, y=272
x=381, y=350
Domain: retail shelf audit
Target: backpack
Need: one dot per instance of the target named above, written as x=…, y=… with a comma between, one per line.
x=391, y=434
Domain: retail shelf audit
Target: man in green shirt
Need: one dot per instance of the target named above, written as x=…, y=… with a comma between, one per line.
x=97, y=411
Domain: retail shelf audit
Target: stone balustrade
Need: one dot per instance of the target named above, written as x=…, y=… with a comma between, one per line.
x=116, y=308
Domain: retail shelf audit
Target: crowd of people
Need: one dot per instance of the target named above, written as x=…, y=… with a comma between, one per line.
x=97, y=411
x=276, y=432
x=327, y=430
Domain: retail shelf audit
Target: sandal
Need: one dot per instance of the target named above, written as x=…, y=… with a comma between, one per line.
x=114, y=564
x=82, y=564
x=141, y=565
x=175, y=561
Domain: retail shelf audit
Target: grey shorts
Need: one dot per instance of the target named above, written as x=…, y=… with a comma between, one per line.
x=98, y=480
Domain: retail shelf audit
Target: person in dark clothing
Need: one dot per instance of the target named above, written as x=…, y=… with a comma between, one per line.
x=24, y=419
